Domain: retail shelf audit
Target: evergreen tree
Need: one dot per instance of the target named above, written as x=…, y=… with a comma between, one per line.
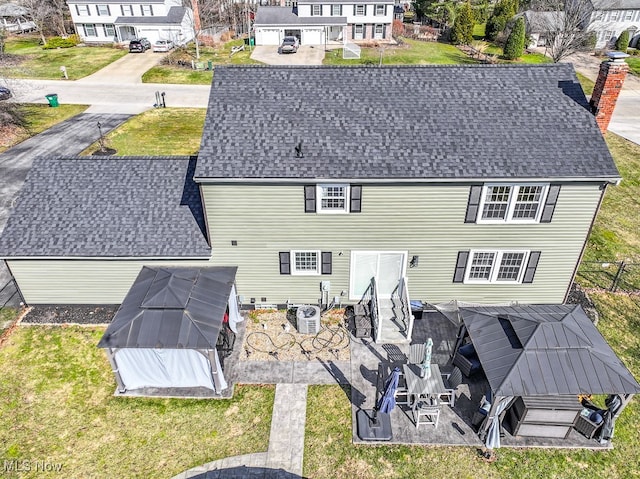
x=516, y=41
x=502, y=13
x=622, y=43
x=462, y=31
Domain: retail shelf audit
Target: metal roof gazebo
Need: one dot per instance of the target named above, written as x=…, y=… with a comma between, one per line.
x=165, y=333
x=543, y=350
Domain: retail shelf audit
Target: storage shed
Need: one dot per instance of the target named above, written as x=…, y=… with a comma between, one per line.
x=162, y=340
x=543, y=351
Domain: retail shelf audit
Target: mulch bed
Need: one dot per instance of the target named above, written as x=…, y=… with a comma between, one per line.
x=86, y=314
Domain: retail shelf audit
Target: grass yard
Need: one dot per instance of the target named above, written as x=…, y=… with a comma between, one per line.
x=216, y=55
x=525, y=59
x=634, y=64
x=57, y=405
x=39, y=118
x=410, y=52
x=45, y=64
x=587, y=83
x=615, y=233
x=163, y=131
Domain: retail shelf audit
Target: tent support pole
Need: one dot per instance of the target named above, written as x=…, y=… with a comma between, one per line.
x=484, y=427
x=114, y=367
x=214, y=371
x=626, y=398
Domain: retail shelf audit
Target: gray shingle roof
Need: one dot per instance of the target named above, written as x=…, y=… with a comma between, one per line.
x=416, y=122
x=279, y=16
x=108, y=207
x=543, y=350
x=174, y=17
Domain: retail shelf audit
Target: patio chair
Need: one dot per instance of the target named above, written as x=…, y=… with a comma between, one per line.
x=451, y=383
x=426, y=411
x=416, y=353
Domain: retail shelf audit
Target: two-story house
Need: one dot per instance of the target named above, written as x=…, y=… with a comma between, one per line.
x=317, y=22
x=609, y=19
x=108, y=21
x=320, y=186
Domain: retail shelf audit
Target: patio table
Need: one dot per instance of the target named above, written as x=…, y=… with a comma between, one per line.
x=431, y=386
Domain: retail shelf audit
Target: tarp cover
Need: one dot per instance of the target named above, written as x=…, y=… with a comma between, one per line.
x=544, y=350
x=163, y=368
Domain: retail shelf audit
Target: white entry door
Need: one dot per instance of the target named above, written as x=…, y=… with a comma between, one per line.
x=386, y=266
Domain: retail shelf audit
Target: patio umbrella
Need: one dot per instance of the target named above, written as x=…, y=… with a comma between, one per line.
x=426, y=362
x=492, y=440
x=375, y=425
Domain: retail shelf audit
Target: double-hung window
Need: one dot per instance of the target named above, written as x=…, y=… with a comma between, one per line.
x=109, y=30
x=305, y=263
x=512, y=203
x=83, y=10
x=380, y=10
x=333, y=198
x=614, y=16
x=628, y=15
x=89, y=30
x=146, y=10
x=359, y=11
x=103, y=10
x=127, y=10
x=336, y=10
x=316, y=10
x=378, y=32
x=496, y=266
x=358, y=32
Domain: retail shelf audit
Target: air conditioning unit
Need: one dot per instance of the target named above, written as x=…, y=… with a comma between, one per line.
x=308, y=318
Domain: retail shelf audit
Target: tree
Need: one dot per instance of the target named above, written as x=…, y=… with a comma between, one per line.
x=622, y=43
x=566, y=30
x=514, y=47
x=40, y=13
x=502, y=13
x=462, y=32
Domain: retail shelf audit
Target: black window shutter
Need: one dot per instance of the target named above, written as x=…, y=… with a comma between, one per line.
x=326, y=262
x=97, y=10
x=285, y=262
x=310, y=199
x=340, y=10
x=312, y=10
x=384, y=31
x=354, y=10
x=356, y=199
x=121, y=9
x=353, y=29
x=461, y=266
x=108, y=10
x=77, y=10
x=532, y=264
x=473, y=204
x=550, y=204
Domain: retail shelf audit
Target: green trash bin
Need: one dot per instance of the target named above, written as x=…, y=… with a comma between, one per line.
x=210, y=65
x=53, y=99
x=252, y=41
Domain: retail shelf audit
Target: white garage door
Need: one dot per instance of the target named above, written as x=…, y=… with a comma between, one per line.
x=312, y=36
x=267, y=36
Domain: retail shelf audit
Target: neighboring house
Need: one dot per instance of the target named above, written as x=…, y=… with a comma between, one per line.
x=105, y=21
x=610, y=18
x=317, y=22
x=319, y=186
x=538, y=25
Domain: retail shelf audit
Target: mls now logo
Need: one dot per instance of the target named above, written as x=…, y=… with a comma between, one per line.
x=28, y=466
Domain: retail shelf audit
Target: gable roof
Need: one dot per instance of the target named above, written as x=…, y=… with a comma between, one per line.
x=172, y=308
x=542, y=350
x=423, y=123
x=108, y=207
x=615, y=4
x=174, y=17
x=284, y=16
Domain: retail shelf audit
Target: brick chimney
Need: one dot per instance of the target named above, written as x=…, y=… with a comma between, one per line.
x=607, y=88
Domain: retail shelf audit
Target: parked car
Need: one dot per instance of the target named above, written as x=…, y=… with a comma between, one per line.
x=5, y=93
x=139, y=45
x=162, y=46
x=289, y=45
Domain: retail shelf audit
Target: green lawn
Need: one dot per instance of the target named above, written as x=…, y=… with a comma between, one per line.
x=57, y=405
x=527, y=58
x=410, y=52
x=587, y=84
x=185, y=75
x=39, y=118
x=45, y=64
x=163, y=131
x=634, y=64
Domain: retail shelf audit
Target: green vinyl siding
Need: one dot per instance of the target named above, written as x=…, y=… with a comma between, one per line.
x=423, y=220
x=81, y=281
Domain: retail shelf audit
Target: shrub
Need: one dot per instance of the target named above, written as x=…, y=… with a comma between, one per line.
x=397, y=28
x=59, y=42
x=462, y=31
x=502, y=13
x=622, y=43
x=515, y=43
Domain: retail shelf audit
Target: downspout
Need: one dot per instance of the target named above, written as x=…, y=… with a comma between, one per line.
x=603, y=187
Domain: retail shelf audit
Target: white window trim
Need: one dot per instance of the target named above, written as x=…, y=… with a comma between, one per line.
x=364, y=11
x=380, y=35
x=333, y=10
x=84, y=10
x=292, y=259
x=495, y=267
x=512, y=203
x=347, y=199
x=375, y=10
x=354, y=253
x=105, y=10
x=316, y=10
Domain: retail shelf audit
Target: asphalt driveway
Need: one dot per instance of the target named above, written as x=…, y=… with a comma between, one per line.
x=306, y=55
